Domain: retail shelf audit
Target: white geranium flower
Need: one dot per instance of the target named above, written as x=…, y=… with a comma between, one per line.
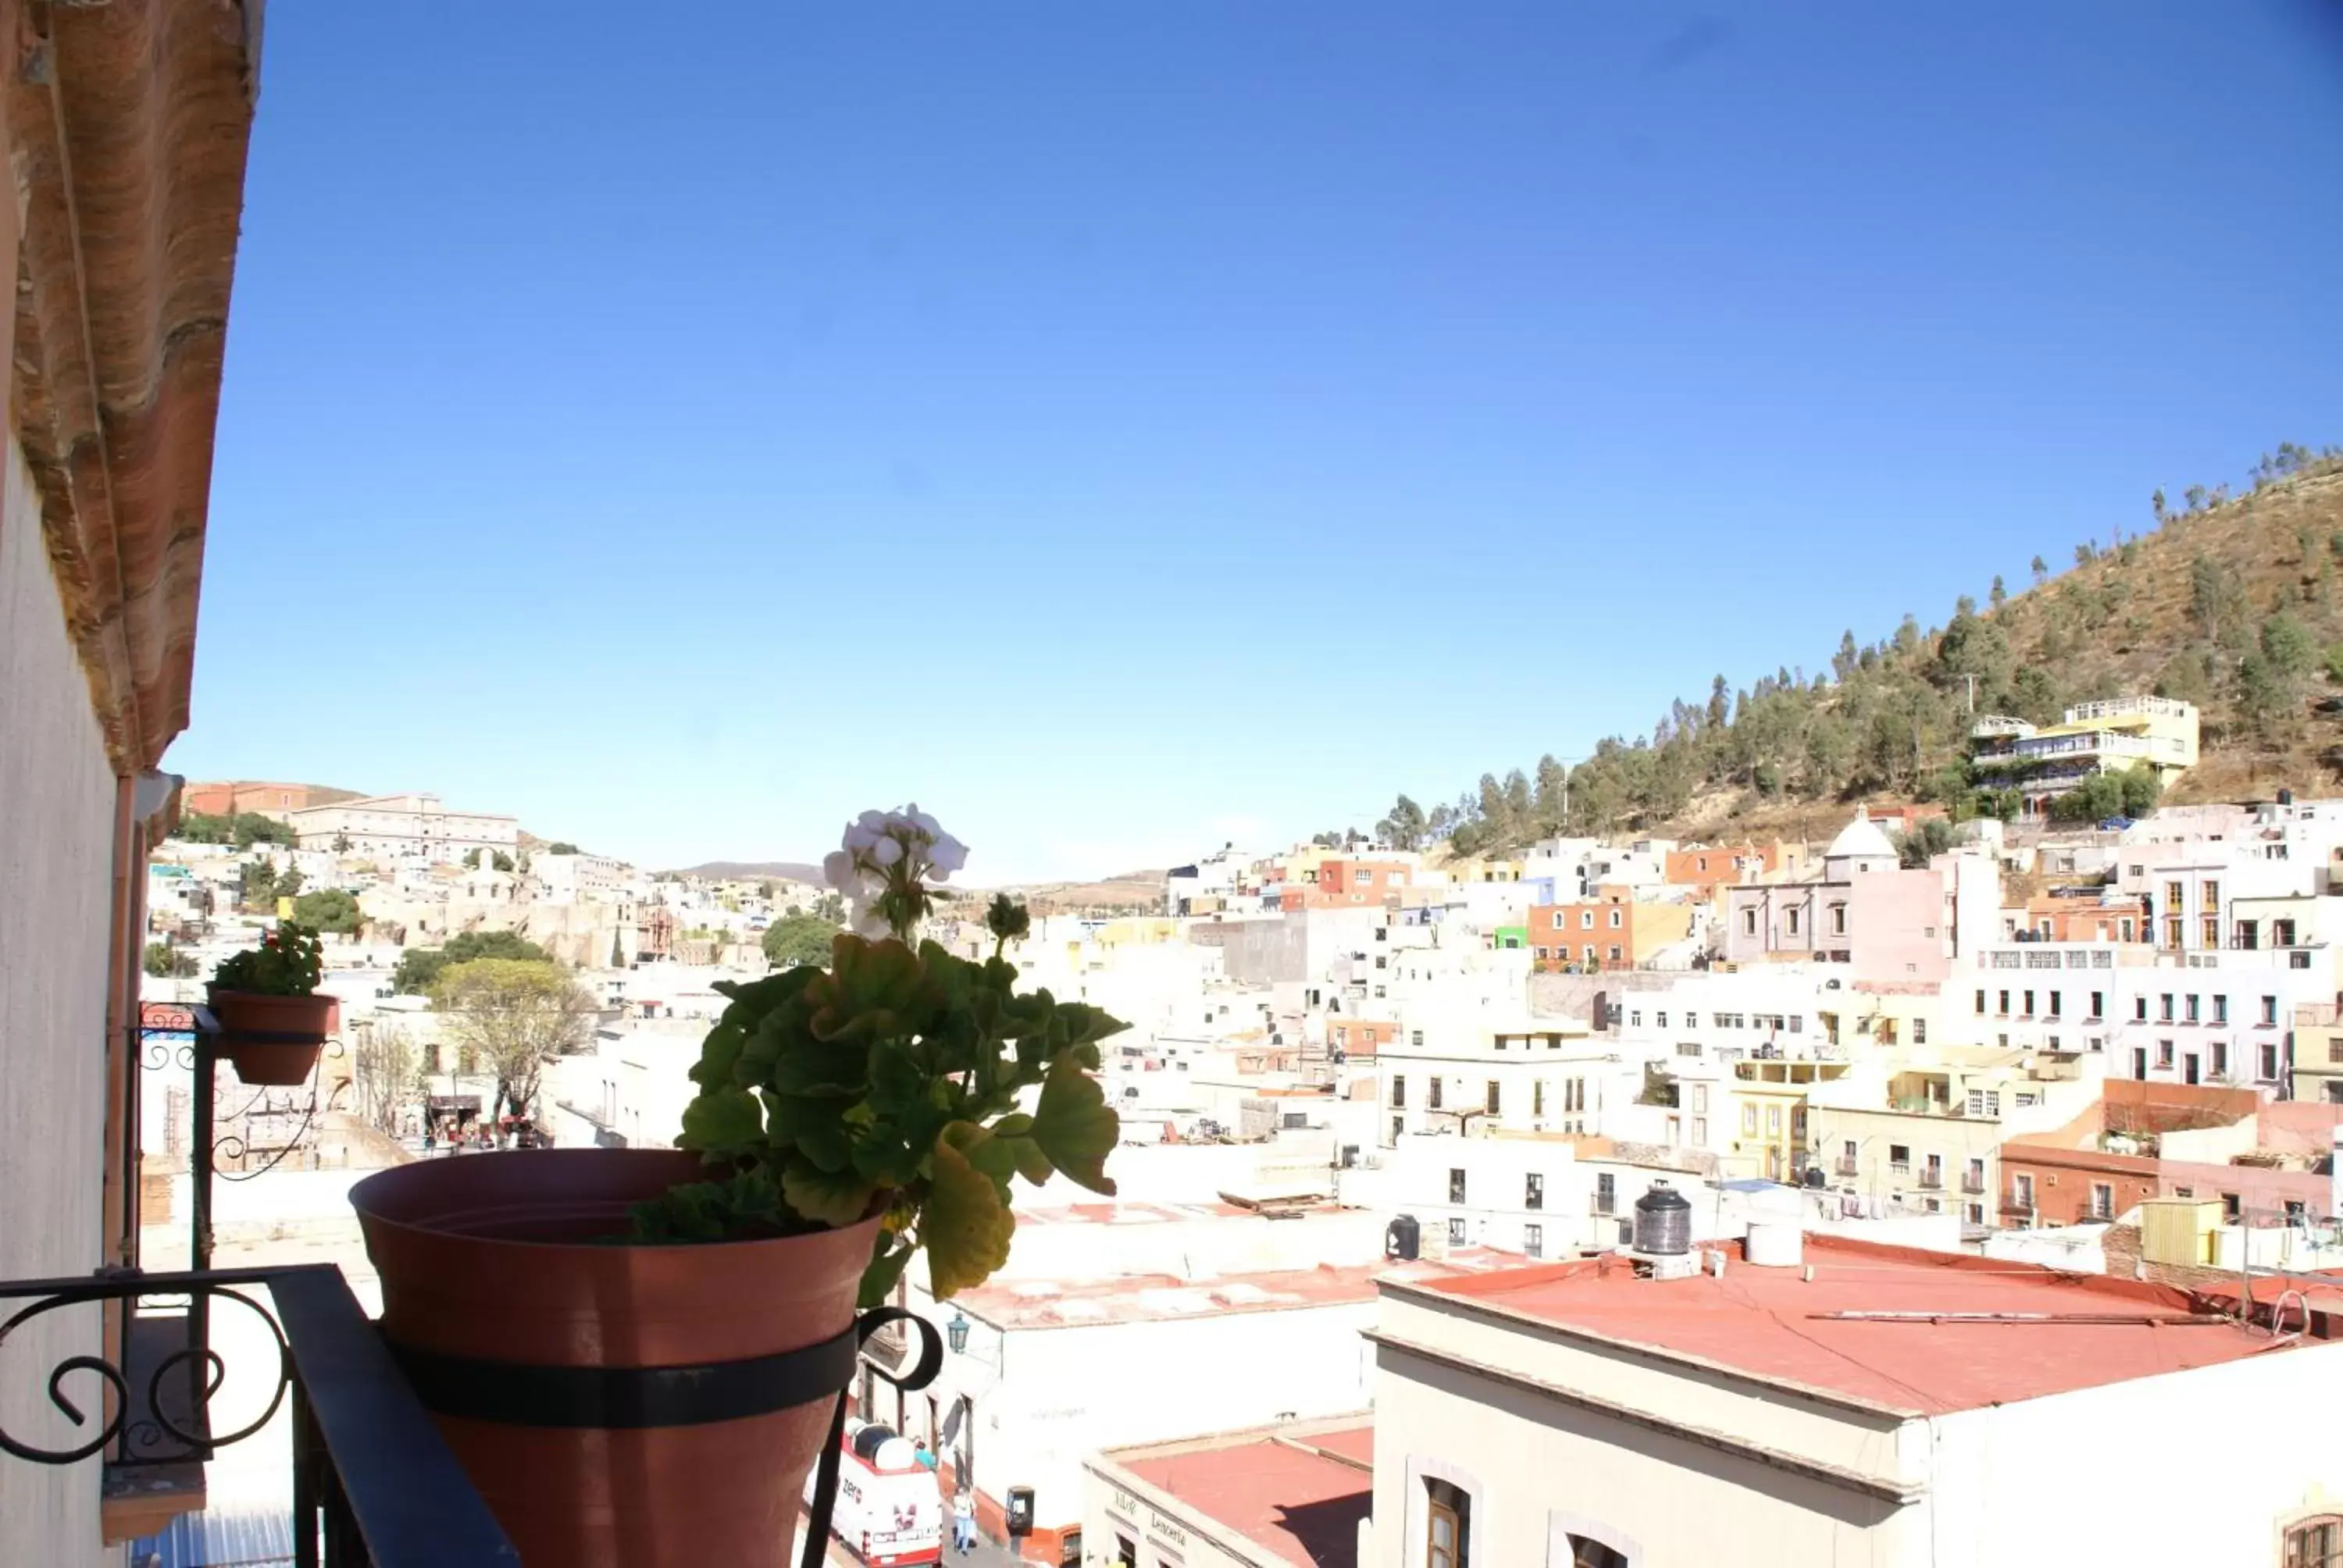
x=860, y=836
x=949, y=855
x=887, y=851
x=872, y=821
x=839, y=870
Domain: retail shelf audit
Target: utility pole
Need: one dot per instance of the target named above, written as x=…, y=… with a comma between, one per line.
x=1971, y=680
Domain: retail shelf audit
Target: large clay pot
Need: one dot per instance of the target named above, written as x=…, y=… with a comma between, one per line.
x=498, y=1267
x=271, y=1039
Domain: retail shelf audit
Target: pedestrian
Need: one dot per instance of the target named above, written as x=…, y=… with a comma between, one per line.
x=925, y=1456
x=963, y=1520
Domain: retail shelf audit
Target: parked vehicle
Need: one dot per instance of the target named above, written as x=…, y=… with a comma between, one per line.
x=890, y=1507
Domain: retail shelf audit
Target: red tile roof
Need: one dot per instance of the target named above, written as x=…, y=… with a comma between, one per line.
x=1300, y=1506
x=1764, y=1322
x=1143, y=1297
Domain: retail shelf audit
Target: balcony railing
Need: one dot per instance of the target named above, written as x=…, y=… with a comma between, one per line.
x=1972, y=1183
x=372, y=1486
x=1847, y=1167
x=1933, y=1181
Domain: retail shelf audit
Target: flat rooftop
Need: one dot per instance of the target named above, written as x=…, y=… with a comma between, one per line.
x=1775, y=1325
x=1155, y=1298
x=1300, y=1497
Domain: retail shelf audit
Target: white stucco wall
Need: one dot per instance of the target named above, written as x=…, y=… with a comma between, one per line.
x=56, y=830
x=1047, y=1399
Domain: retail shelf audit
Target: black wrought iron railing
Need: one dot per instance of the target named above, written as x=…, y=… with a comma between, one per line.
x=373, y=1485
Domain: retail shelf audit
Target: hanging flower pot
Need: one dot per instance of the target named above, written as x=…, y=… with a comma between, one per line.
x=271, y=1039
x=272, y=1024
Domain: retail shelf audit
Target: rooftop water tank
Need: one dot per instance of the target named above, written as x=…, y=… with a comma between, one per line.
x=1775, y=1245
x=1403, y=1239
x=1663, y=1220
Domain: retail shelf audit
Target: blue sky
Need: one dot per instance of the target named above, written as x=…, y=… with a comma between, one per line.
x=1120, y=428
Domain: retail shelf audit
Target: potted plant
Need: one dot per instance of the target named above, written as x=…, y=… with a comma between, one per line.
x=272, y=1025
x=636, y=1353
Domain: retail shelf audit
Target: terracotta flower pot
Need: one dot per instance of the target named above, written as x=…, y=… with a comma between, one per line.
x=271, y=1039
x=528, y=1334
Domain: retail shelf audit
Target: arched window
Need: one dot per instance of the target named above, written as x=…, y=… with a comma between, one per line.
x=2313, y=1542
x=1448, y=1523
x=1585, y=1552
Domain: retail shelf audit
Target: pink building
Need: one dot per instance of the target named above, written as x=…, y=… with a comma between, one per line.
x=1867, y=910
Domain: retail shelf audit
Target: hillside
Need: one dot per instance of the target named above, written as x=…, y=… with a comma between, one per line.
x=752, y=870
x=2232, y=603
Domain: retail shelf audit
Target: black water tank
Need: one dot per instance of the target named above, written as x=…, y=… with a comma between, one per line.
x=1404, y=1238
x=1663, y=1220
x=868, y=1442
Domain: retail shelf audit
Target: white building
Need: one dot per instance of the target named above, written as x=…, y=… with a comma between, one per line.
x=399, y=826
x=1863, y=1404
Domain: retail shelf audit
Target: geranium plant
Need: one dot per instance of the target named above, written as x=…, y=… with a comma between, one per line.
x=289, y=961
x=889, y=1083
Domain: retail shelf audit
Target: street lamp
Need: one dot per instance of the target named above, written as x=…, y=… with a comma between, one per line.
x=956, y=1332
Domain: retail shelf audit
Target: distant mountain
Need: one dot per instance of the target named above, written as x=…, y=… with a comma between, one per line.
x=748, y=871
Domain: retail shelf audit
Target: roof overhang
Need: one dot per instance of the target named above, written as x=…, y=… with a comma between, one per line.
x=128, y=125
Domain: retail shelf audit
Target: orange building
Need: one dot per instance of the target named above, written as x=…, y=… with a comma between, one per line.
x=1720, y=866
x=2051, y=919
x=1345, y=884
x=1611, y=931
x=229, y=798
x=1360, y=1037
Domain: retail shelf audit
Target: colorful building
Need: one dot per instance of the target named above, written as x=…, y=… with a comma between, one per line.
x=2121, y=732
x=1612, y=930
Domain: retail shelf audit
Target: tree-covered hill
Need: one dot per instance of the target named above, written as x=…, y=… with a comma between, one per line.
x=2230, y=602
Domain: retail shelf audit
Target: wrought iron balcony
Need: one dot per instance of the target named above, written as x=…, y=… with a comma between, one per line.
x=1933, y=1180
x=372, y=1485
x=1973, y=1183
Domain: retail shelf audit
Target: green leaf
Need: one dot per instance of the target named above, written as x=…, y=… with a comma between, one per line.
x=723, y=1123
x=1075, y=1127
x=718, y=1053
x=812, y=1127
x=965, y=1227
x=834, y=1198
x=887, y=1261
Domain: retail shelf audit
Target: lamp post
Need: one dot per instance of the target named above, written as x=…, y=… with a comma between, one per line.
x=955, y=1334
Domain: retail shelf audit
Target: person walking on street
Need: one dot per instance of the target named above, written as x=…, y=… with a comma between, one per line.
x=963, y=1520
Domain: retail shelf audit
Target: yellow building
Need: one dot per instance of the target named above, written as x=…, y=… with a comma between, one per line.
x=1769, y=1134
x=2092, y=737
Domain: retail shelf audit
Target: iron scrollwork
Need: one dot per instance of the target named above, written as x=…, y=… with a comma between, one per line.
x=147, y=1433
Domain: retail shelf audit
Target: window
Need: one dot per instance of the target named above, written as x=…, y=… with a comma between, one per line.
x=1748, y=1121
x=1606, y=1192
x=1838, y=919
x=1537, y=1099
x=1700, y=1130
x=1790, y=918
x=2220, y=1009
x=1985, y=1102
x=2058, y=1003
x=2315, y=1544
x=1691, y=1020
x=1557, y=920
x=1773, y=1121
x=2175, y=894
x=2220, y=1059
x=2172, y=930
x=2021, y=1191
x=2231, y=1207
x=1363, y=874
x=2139, y=1061
x=1700, y=1097
x=1614, y=919
x=1662, y=1020
x=2098, y=1004
x=1456, y=1232
x=1126, y=1553
x=2212, y=930
x=1980, y=1004
x=1586, y=920
x=1533, y=1193
x=1399, y=1127
x=1433, y=1092
x=2103, y=1201
x=2029, y=1006
x=2190, y=1008
x=2294, y=1211
x=1614, y=954
x=2164, y=1008
x=1590, y=952
x=1636, y=1018
x=2004, y=1007
x=1490, y=1101
x=1749, y=922
x=1899, y=1156
x=1532, y=1241
x=1448, y=1518
x=1455, y=1184
x=2269, y=1064
x=2163, y=1054
x=2270, y=1011
x=1585, y=1552
x=1973, y=1181
x=2139, y=1010
x=2212, y=895
x=1399, y=1088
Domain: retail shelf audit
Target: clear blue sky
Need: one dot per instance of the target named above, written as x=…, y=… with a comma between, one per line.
x=1120, y=428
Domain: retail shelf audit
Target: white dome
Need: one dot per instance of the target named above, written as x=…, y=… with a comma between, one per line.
x=1859, y=839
